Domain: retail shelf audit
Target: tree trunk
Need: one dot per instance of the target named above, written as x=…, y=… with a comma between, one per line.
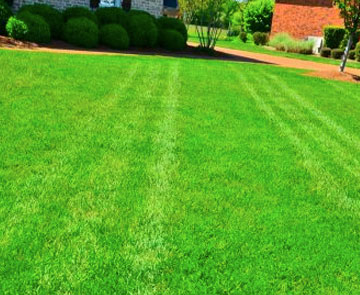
x=346, y=53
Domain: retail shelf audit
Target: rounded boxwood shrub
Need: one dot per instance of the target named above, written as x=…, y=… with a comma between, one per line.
x=243, y=36
x=16, y=28
x=5, y=14
x=52, y=16
x=112, y=15
x=325, y=52
x=78, y=11
x=82, y=32
x=38, y=29
x=171, y=40
x=337, y=53
x=114, y=36
x=168, y=23
x=357, y=52
x=260, y=38
x=142, y=31
x=352, y=54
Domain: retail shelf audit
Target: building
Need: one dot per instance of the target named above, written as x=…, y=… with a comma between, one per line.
x=304, y=18
x=155, y=7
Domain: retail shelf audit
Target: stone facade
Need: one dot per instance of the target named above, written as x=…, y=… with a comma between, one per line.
x=154, y=7
x=303, y=18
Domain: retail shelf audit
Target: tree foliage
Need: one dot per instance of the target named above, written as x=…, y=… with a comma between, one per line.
x=258, y=16
x=350, y=12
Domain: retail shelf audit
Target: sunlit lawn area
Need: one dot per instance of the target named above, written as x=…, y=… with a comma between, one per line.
x=153, y=175
x=236, y=43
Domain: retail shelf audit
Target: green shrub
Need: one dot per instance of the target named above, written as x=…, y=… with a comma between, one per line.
x=9, y=2
x=114, y=36
x=16, y=28
x=142, y=31
x=78, y=11
x=345, y=40
x=337, y=53
x=333, y=36
x=243, y=36
x=52, y=16
x=325, y=52
x=5, y=14
x=260, y=38
x=112, y=15
x=284, y=42
x=357, y=52
x=38, y=29
x=168, y=23
x=171, y=40
x=258, y=16
x=352, y=54
x=234, y=31
x=82, y=32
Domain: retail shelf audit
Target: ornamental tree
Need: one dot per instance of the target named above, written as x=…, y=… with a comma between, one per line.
x=350, y=12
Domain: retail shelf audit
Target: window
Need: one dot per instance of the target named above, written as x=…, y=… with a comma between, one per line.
x=110, y=3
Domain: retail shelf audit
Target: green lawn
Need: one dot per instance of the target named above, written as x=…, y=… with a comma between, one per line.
x=152, y=175
x=236, y=43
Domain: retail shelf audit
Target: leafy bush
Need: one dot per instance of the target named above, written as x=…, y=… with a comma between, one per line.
x=333, y=36
x=142, y=31
x=233, y=31
x=52, y=16
x=260, y=38
x=114, y=36
x=258, y=16
x=82, y=32
x=325, y=52
x=243, y=36
x=357, y=51
x=168, y=23
x=345, y=40
x=78, y=11
x=38, y=29
x=5, y=14
x=171, y=40
x=16, y=28
x=352, y=54
x=337, y=53
x=284, y=42
x=9, y=2
x=112, y=15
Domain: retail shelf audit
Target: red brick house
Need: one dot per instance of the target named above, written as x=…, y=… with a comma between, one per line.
x=303, y=18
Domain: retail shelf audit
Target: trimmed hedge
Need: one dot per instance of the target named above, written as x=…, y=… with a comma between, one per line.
x=5, y=14
x=112, y=15
x=38, y=29
x=16, y=28
x=325, y=52
x=82, y=32
x=337, y=53
x=52, y=16
x=171, y=40
x=142, y=31
x=168, y=23
x=114, y=36
x=243, y=36
x=357, y=51
x=352, y=54
x=77, y=12
x=333, y=36
x=260, y=38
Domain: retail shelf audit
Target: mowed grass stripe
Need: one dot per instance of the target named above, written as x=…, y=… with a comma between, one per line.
x=334, y=192
x=302, y=118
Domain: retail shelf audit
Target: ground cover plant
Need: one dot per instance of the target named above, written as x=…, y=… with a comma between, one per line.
x=110, y=184
x=284, y=42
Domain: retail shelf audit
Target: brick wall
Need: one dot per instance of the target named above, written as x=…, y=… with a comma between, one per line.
x=153, y=6
x=302, y=18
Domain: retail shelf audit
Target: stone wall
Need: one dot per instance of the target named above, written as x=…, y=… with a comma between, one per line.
x=154, y=7
x=303, y=18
